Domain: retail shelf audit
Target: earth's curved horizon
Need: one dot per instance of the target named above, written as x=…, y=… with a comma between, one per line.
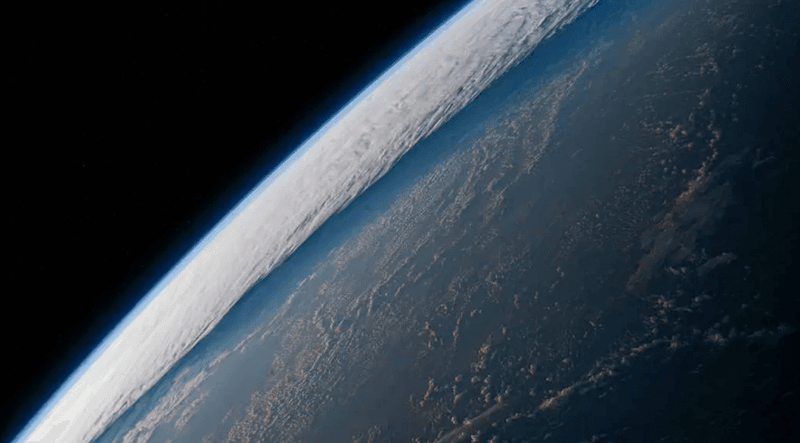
x=582, y=245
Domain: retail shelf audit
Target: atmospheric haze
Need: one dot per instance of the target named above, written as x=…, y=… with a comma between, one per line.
x=430, y=84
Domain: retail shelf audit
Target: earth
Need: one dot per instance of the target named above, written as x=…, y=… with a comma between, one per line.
x=599, y=247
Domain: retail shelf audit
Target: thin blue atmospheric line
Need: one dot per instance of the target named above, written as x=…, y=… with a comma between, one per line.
x=245, y=202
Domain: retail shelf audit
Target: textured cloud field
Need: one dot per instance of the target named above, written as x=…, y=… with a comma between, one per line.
x=424, y=89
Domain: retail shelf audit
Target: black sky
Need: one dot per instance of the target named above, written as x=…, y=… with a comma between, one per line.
x=130, y=131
